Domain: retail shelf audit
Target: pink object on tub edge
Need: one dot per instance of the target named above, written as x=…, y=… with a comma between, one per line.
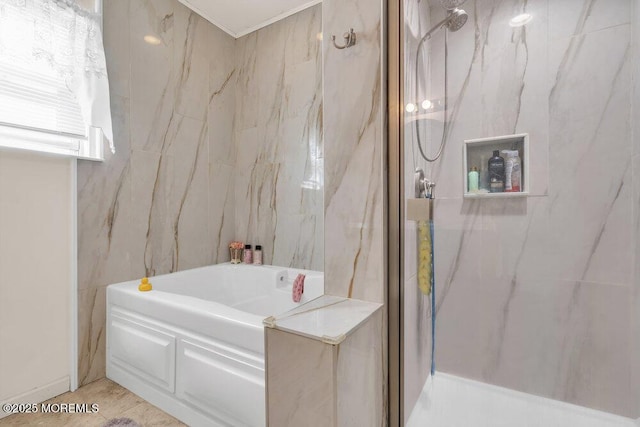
x=298, y=288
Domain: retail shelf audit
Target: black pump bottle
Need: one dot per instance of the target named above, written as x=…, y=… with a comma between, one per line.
x=496, y=173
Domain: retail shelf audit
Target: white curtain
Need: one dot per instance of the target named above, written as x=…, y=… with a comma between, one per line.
x=69, y=39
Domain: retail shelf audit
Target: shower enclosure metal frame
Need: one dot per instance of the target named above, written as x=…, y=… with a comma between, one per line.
x=395, y=208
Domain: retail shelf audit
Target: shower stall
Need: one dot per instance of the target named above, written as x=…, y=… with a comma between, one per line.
x=521, y=307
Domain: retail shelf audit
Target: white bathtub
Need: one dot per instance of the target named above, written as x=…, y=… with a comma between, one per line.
x=194, y=345
x=451, y=401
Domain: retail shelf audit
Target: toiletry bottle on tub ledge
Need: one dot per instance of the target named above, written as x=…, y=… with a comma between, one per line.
x=247, y=255
x=257, y=255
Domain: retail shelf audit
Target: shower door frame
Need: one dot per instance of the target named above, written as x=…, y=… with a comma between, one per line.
x=395, y=208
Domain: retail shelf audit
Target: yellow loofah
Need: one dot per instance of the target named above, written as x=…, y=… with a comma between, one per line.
x=144, y=285
x=424, y=258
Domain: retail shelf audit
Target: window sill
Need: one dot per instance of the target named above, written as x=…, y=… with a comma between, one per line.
x=18, y=138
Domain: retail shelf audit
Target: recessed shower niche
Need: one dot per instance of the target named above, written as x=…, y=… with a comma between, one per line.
x=478, y=152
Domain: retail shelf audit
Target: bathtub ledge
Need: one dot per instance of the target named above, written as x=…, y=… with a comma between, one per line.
x=329, y=319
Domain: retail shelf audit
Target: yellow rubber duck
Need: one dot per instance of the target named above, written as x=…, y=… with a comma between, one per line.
x=144, y=286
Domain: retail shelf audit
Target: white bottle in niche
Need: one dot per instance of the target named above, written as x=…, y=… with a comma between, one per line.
x=513, y=172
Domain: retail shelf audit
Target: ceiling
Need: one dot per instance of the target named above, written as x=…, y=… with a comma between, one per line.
x=241, y=17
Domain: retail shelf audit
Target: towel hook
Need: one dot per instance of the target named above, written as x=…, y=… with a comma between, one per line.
x=349, y=40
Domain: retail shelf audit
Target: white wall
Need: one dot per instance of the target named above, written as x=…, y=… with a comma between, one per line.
x=35, y=275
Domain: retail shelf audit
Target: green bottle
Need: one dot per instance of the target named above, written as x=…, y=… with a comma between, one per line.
x=473, y=180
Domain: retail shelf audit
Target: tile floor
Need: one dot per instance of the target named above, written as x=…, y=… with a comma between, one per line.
x=114, y=402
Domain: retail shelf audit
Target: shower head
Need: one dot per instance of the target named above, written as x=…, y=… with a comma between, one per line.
x=452, y=4
x=457, y=19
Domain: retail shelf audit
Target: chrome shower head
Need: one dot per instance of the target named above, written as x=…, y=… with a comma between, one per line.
x=457, y=19
x=452, y=4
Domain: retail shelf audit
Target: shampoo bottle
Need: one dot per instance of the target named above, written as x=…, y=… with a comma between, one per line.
x=257, y=255
x=496, y=173
x=247, y=255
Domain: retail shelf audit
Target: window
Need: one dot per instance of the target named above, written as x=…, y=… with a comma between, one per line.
x=54, y=92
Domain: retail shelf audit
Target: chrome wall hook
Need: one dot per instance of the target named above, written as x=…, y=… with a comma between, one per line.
x=349, y=40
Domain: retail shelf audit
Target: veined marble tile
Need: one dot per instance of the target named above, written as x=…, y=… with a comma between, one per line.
x=308, y=46
x=516, y=237
x=144, y=169
x=458, y=246
x=193, y=215
x=361, y=376
x=223, y=76
x=221, y=210
x=591, y=210
x=501, y=38
x=354, y=131
x=300, y=380
x=152, y=73
x=322, y=383
x=104, y=209
x=191, y=53
x=574, y=17
x=303, y=89
x=300, y=183
x=514, y=89
x=169, y=188
x=92, y=307
x=576, y=325
x=247, y=82
x=256, y=219
x=270, y=69
x=295, y=243
x=278, y=140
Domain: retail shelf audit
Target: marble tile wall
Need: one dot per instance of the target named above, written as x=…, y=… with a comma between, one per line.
x=150, y=208
x=166, y=201
x=361, y=376
x=355, y=153
x=300, y=380
x=635, y=120
x=354, y=115
x=314, y=383
x=535, y=294
x=279, y=141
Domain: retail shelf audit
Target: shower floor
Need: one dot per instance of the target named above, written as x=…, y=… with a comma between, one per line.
x=457, y=402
